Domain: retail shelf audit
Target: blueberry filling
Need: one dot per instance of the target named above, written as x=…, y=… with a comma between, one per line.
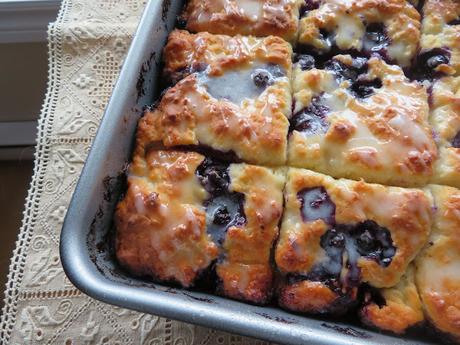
x=304, y=61
x=237, y=85
x=428, y=61
x=365, y=88
x=222, y=212
x=375, y=39
x=213, y=176
x=316, y=204
x=347, y=72
x=366, y=239
x=223, y=208
x=456, y=141
x=312, y=119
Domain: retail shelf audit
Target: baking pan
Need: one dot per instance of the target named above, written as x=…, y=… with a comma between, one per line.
x=86, y=252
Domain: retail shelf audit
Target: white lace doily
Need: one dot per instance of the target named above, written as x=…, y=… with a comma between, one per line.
x=87, y=45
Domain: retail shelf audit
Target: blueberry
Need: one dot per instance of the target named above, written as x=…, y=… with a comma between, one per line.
x=223, y=211
x=375, y=39
x=427, y=63
x=456, y=140
x=366, y=241
x=305, y=61
x=213, y=175
x=337, y=241
x=262, y=78
x=347, y=72
x=436, y=60
x=316, y=204
x=312, y=119
x=365, y=88
x=221, y=216
x=373, y=242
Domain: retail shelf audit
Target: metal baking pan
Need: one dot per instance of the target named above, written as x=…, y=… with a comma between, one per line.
x=86, y=253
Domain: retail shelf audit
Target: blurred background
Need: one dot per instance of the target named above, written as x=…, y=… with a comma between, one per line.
x=23, y=78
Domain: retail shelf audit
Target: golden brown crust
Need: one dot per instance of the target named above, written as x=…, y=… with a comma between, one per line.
x=438, y=268
x=405, y=213
x=307, y=297
x=161, y=223
x=244, y=17
x=438, y=33
x=256, y=131
x=402, y=309
x=246, y=271
x=185, y=53
x=445, y=121
x=347, y=19
x=383, y=138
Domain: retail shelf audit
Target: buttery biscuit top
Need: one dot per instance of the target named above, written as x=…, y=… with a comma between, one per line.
x=161, y=221
x=359, y=118
x=438, y=265
x=187, y=53
x=337, y=234
x=238, y=104
x=389, y=29
x=445, y=121
x=182, y=212
x=245, y=17
x=440, y=40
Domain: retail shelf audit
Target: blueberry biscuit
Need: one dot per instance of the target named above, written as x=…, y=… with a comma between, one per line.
x=244, y=17
x=339, y=234
x=238, y=103
x=438, y=273
x=445, y=121
x=440, y=40
x=389, y=29
x=360, y=118
x=185, y=215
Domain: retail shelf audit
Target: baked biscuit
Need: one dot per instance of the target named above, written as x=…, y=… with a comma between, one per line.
x=238, y=103
x=389, y=29
x=359, y=118
x=338, y=234
x=185, y=215
x=244, y=17
x=440, y=40
x=438, y=270
x=394, y=309
x=445, y=121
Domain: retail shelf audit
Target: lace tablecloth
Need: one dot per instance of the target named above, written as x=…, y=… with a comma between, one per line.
x=87, y=45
